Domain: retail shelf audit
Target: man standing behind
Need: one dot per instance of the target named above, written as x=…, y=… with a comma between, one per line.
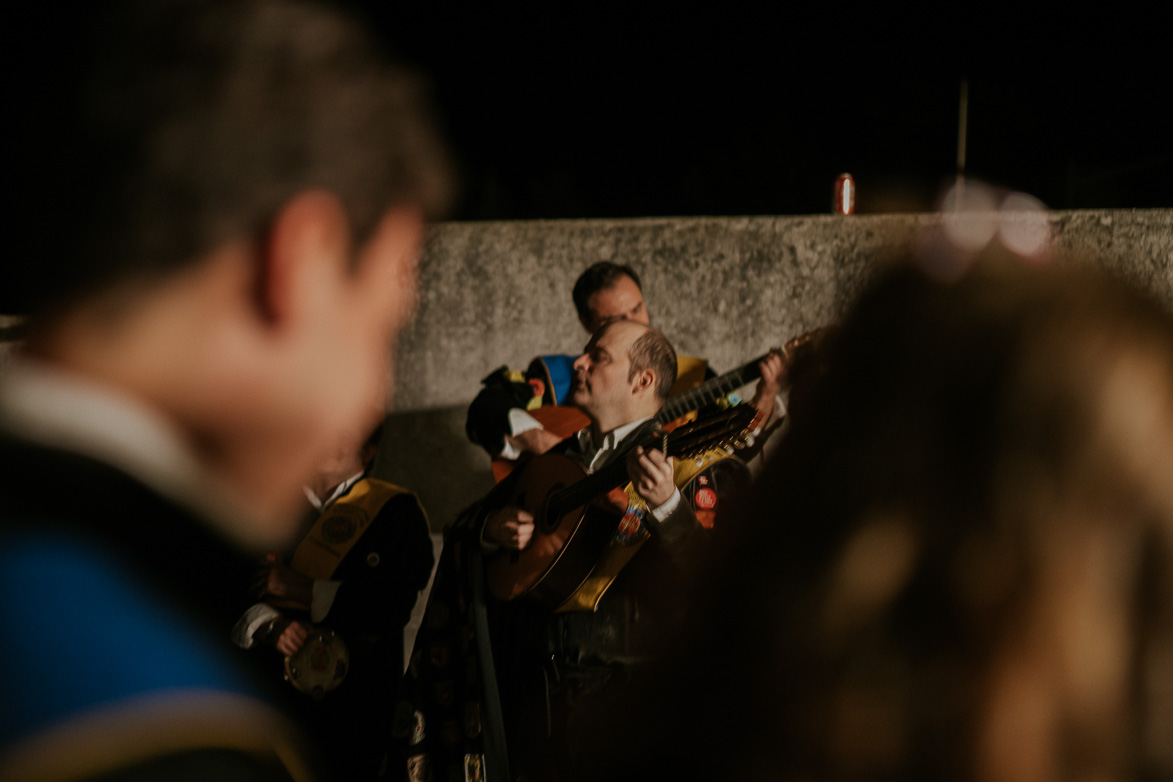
x=355, y=571
x=243, y=186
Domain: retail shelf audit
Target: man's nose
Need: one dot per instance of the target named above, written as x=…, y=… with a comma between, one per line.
x=580, y=363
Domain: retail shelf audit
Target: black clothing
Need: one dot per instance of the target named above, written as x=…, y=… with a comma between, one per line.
x=120, y=603
x=381, y=577
x=538, y=671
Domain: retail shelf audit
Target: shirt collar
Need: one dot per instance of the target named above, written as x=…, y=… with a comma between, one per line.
x=338, y=491
x=61, y=410
x=592, y=456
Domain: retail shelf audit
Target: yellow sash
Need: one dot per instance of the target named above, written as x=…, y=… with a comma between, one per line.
x=339, y=528
x=628, y=538
x=690, y=373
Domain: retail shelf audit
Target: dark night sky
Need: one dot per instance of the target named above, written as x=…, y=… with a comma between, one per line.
x=558, y=110
x=605, y=112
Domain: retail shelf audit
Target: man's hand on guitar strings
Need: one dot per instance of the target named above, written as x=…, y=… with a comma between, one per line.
x=510, y=527
x=651, y=474
x=773, y=369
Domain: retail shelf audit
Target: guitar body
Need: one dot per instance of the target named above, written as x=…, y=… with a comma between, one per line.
x=568, y=543
x=586, y=528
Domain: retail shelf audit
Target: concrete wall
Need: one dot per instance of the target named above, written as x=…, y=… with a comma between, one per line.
x=723, y=288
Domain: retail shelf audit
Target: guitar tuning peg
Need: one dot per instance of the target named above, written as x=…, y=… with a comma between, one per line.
x=729, y=449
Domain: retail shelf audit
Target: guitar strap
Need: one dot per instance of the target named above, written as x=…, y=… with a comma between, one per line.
x=690, y=373
x=336, y=531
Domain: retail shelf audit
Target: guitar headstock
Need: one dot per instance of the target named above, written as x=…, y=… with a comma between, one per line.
x=794, y=344
x=728, y=429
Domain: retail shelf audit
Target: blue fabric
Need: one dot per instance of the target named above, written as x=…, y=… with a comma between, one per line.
x=561, y=373
x=82, y=634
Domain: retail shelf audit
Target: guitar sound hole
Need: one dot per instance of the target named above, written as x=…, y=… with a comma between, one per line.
x=550, y=517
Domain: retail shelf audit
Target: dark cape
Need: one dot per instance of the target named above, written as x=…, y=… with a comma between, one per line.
x=489, y=683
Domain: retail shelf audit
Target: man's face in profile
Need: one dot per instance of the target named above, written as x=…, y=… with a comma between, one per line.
x=602, y=373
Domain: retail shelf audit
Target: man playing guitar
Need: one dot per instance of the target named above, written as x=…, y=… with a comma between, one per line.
x=540, y=672
x=620, y=382
x=604, y=292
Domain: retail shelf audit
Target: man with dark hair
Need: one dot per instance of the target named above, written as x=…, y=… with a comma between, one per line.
x=245, y=185
x=608, y=290
x=553, y=669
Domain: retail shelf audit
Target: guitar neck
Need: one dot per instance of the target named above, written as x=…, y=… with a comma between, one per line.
x=709, y=391
x=576, y=495
x=694, y=438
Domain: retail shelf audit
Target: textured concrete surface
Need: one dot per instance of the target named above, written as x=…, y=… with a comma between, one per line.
x=724, y=288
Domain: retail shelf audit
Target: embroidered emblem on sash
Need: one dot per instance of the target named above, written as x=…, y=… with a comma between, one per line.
x=629, y=525
x=339, y=528
x=706, y=499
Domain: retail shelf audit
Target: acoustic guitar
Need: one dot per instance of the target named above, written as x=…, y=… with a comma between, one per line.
x=585, y=528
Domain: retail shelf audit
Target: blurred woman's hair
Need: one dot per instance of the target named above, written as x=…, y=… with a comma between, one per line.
x=960, y=563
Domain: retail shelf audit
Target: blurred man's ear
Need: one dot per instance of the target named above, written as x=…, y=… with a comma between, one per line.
x=397, y=238
x=309, y=234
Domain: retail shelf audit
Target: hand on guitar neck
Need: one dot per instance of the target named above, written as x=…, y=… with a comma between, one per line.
x=774, y=368
x=773, y=371
x=651, y=475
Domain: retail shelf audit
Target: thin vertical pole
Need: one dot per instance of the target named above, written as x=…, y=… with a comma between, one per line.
x=962, y=122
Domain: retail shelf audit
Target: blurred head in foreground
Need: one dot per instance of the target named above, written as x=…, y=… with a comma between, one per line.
x=225, y=228
x=960, y=564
